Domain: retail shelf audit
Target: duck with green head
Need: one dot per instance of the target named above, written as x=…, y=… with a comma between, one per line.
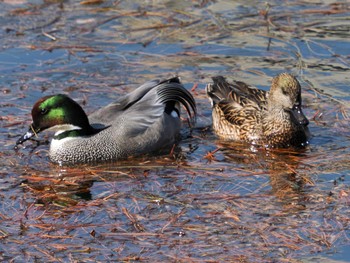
x=144, y=121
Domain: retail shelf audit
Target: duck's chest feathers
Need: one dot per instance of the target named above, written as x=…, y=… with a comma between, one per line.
x=278, y=129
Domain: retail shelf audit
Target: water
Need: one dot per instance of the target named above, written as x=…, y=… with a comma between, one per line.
x=243, y=205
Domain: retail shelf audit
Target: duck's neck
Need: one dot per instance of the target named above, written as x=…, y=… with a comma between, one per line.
x=71, y=131
x=275, y=119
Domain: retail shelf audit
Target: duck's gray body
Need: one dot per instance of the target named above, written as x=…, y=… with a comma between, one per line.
x=145, y=121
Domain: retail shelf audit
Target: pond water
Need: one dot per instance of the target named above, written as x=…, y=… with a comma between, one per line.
x=242, y=205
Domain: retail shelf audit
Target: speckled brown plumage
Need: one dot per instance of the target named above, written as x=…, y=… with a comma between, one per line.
x=271, y=119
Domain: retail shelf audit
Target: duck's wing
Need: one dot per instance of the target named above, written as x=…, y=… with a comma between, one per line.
x=109, y=113
x=252, y=94
x=139, y=109
x=162, y=100
x=237, y=101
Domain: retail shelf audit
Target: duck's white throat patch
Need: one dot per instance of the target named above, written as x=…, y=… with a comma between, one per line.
x=58, y=129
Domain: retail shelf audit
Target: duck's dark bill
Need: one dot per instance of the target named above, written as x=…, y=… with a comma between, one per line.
x=298, y=116
x=27, y=136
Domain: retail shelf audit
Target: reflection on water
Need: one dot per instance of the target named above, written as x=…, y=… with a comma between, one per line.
x=280, y=165
x=211, y=201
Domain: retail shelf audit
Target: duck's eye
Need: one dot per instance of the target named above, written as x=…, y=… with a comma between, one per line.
x=43, y=111
x=285, y=90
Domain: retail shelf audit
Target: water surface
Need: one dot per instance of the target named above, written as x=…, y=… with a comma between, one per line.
x=242, y=204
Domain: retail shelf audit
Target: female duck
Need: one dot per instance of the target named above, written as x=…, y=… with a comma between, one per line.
x=271, y=119
x=144, y=121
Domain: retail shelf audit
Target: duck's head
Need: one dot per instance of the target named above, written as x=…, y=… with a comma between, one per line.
x=286, y=93
x=58, y=113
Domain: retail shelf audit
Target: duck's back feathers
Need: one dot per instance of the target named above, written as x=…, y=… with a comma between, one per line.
x=238, y=103
x=158, y=110
x=109, y=113
x=237, y=92
x=148, y=101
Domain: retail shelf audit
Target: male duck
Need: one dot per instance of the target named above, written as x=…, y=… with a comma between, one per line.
x=270, y=119
x=143, y=121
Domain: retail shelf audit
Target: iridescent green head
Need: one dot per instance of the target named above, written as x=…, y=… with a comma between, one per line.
x=57, y=112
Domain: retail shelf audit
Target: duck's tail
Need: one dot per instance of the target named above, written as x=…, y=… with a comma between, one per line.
x=219, y=90
x=172, y=93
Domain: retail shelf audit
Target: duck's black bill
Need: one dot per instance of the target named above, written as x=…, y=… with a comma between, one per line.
x=298, y=116
x=27, y=136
